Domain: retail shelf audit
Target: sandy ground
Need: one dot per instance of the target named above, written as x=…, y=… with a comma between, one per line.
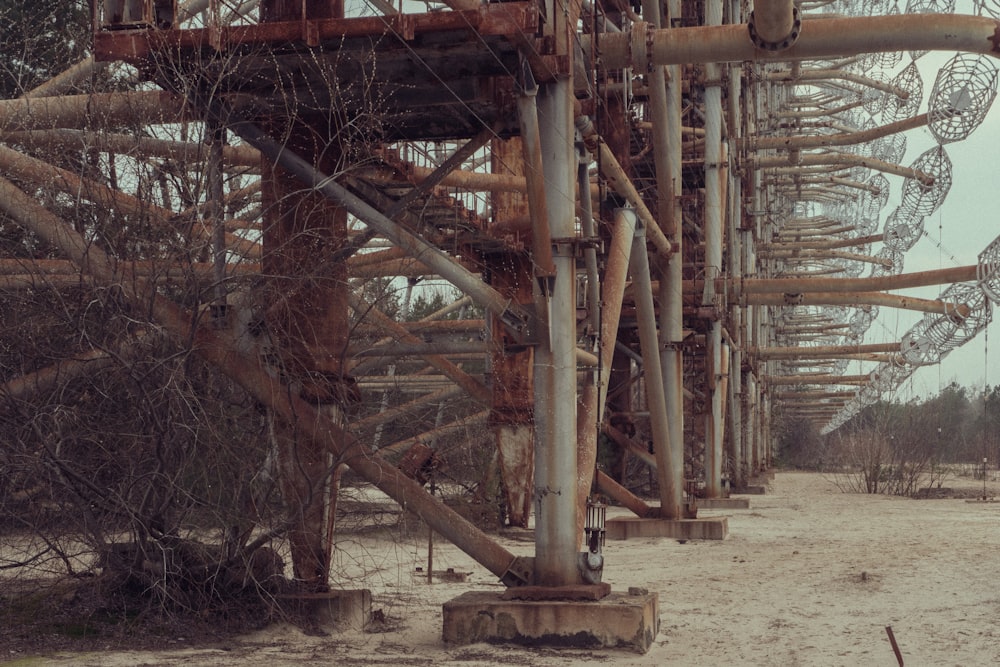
x=808, y=576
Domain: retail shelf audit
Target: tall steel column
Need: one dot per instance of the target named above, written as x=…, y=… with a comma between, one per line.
x=671, y=297
x=736, y=238
x=555, y=357
x=714, y=215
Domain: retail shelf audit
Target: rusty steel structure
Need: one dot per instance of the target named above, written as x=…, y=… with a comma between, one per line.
x=670, y=215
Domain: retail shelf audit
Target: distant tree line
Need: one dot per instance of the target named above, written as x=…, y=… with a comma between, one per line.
x=896, y=448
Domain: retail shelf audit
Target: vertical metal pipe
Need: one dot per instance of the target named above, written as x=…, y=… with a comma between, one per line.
x=589, y=231
x=541, y=237
x=735, y=255
x=751, y=426
x=590, y=411
x=656, y=399
x=713, y=258
x=736, y=418
x=217, y=214
x=735, y=238
x=671, y=297
x=723, y=393
x=713, y=418
x=588, y=417
x=555, y=357
x=587, y=423
x=657, y=91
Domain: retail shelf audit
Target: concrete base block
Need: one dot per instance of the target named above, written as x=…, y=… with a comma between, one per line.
x=711, y=528
x=620, y=620
x=723, y=503
x=753, y=490
x=349, y=609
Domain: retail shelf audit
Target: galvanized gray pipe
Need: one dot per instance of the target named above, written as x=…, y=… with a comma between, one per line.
x=656, y=399
x=713, y=259
x=555, y=486
x=671, y=297
x=819, y=39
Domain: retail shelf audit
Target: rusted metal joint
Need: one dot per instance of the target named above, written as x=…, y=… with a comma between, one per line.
x=710, y=313
x=785, y=42
x=519, y=323
x=640, y=47
x=573, y=245
x=520, y=572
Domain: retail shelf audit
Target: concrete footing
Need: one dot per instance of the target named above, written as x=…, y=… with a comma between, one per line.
x=349, y=609
x=710, y=528
x=723, y=503
x=621, y=620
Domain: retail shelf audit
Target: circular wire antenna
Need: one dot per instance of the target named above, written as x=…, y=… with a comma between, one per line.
x=962, y=95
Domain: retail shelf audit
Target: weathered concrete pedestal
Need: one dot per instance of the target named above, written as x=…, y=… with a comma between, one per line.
x=723, y=503
x=349, y=609
x=711, y=528
x=620, y=620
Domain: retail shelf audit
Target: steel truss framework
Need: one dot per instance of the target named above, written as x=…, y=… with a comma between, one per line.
x=671, y=218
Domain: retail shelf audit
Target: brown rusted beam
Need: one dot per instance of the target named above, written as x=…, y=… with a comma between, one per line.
x=958, y=274
x=628, y=499
x=125, y=144
x=821, y=244
x=839, y=159
x=776, y=380
x=137, y=46
x=804, y=142
x=821, y=351
x=476, y=419
x=813, y=394
x=858, y=298
x=148, y=107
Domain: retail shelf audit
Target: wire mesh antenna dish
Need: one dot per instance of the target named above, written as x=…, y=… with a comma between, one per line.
x=918, y=348
x=902, y=231
x=890, y=148
x=900, y=107
x=961, y=97
x=988, y=270
x=920, y=198
x=967, y=312
x=969, y=308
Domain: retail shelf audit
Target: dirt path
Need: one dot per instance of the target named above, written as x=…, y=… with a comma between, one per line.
x=808, y=576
